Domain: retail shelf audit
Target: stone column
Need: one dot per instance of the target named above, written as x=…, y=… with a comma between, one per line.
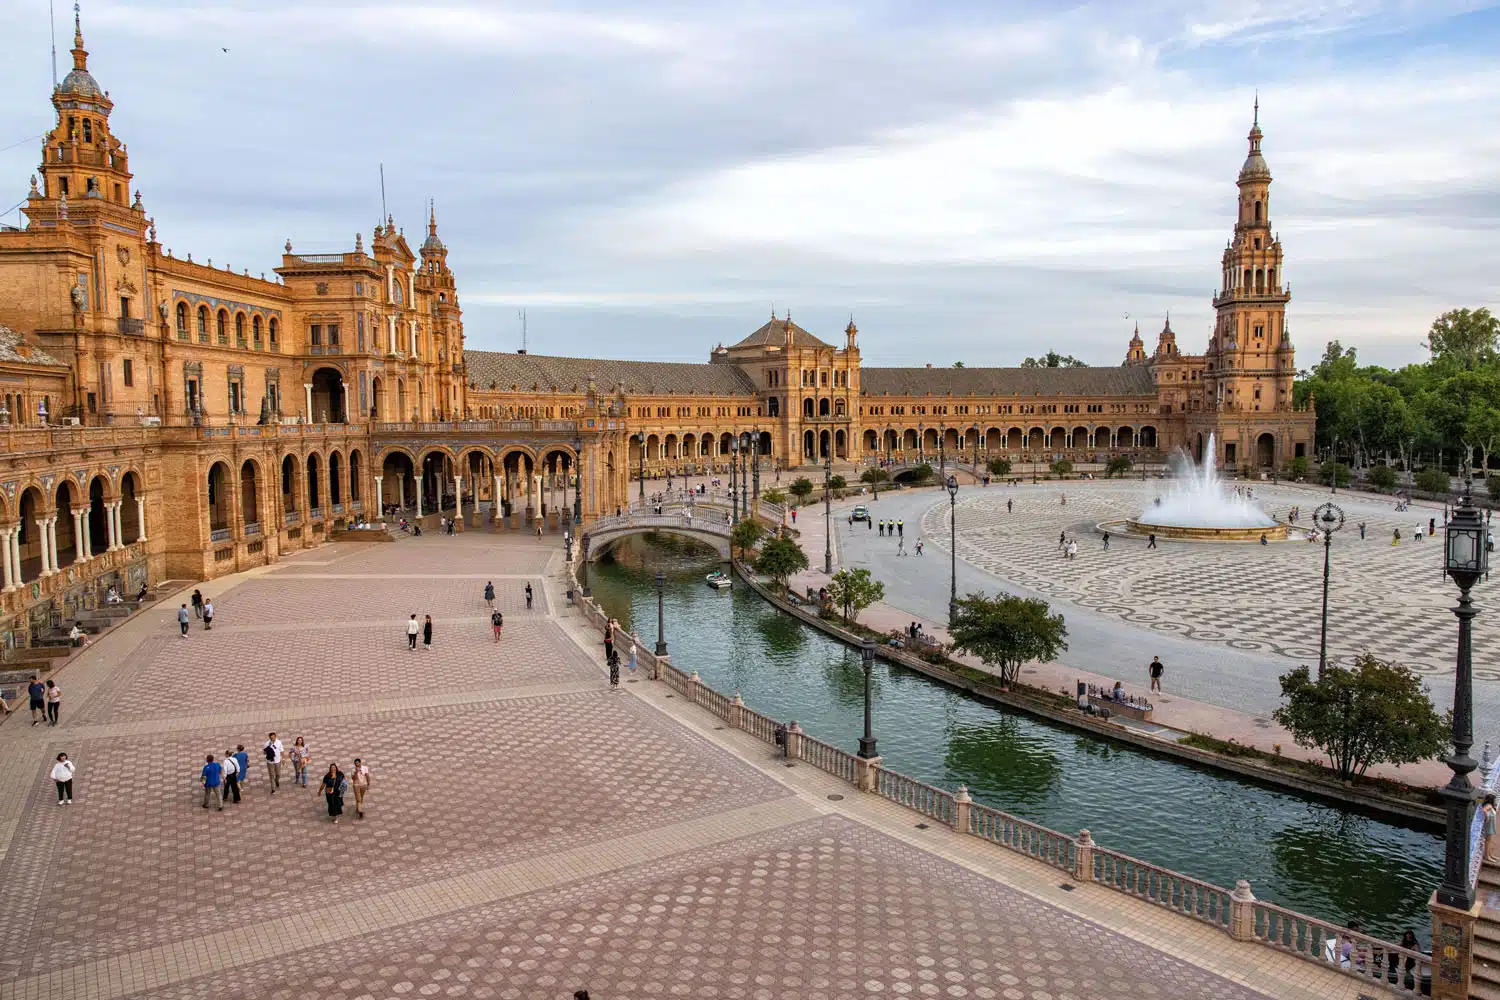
x=51, y=542
x=112, y=540
x=1242, y=913
x=140, y=517
x=401, y=490
x=307, y=388
x=15, y=553
x=736, y=712
x=794, y=740
x=495, y=508
x=1083, y=862
x=962, y=801
x=1452, y=949
x=458, y=496
x=419, y=496
x=80, y=539
x=7, y=573
x=380, y=498
x=866, y=773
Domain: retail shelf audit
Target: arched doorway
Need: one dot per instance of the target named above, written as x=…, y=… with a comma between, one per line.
x=314, y=484
x=808, y=444
x=335, y=479
x=1265, y=451
x=356, y=476
x=822, y=445
x=377, y=399
x=1148, y=437
x=218, y=501
x=398, y=481
x=132, y=526
x=97, y=522
x=840, y=449
x=327, y=397
x=30, y=542
x=67, y=542
x=289, y=490
x=250, y=497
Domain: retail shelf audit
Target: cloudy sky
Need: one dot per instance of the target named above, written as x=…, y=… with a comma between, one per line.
x=972, y=181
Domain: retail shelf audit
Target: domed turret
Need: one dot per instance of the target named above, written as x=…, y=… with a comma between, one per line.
x=1255, y=168
x=79, y=81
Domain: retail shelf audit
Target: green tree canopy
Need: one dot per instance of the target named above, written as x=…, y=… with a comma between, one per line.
x=920, y=473
x=837, y=482
x=746, y=534
x=1006, y=631
x=1464, y=338
x=1054, y=360
x=853, y=590
x=1376, y=713
x=779, y=559
x=998, y=466
x=1118, y=466
x=802, y=487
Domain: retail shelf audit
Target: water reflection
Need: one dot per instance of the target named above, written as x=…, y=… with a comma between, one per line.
x=1295, y=852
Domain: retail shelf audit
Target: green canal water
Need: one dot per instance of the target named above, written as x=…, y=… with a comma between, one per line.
x=1297, y=852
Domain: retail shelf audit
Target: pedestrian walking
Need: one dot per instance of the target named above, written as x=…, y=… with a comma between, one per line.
x=1156, y=669
x=231, y=769
x=242, y=764
x=497, y=622
x=1151, y=541
x=1106, y=541
x=1062, y=539
x=198, y=604
x=54, y=701
x=1490, y=811
x=609, y=640
x=1008, y=506
x=412, y=628
x=212, y=777
x=1361, y=531
x=208, y=614
x=631, y=663
x=427, y=633
x=900, y=528
x=882, y=528
x=301, y=758
x=272, y=750
x=919, y=546
x=528, y=597
x=794, y=515
x=614, y=671
x=1396, y=536
x=1072, y=550
x=451, y=524
x=36, y=694
x=900, y=546
x=182, y=620
x=334, y=787
x=489, y=593
x=1432, y=527
x=359, y=776
x=62, y=776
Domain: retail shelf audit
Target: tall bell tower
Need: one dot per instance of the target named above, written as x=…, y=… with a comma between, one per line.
x=1249, y=366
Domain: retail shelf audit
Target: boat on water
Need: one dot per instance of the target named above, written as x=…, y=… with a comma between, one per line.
x=719, y=580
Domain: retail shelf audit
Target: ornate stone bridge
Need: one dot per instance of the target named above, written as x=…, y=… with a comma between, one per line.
x=710, y=526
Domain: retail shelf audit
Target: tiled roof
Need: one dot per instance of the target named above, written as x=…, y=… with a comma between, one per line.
x=1133, y=380
x=10, y=351
x=572, y=374
x=774, y=334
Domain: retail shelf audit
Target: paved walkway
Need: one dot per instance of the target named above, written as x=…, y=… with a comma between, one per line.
x=529, y=832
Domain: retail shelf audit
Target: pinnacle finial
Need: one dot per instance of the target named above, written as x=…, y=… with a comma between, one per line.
x=80, y=56
x=1256, y=121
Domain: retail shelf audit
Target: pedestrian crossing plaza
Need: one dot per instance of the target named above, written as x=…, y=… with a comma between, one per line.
x=527, y=832
x=1387, y=599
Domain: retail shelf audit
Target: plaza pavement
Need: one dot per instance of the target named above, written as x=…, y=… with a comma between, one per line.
x=529, y=832
x=1227, y=619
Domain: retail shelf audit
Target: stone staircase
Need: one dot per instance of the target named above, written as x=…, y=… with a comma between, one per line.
x=1486, y=974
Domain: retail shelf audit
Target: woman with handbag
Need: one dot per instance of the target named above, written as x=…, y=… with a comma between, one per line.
x=334, y=787
x=301, y=759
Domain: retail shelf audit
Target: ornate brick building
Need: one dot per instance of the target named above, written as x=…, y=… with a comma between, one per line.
x=168, y=418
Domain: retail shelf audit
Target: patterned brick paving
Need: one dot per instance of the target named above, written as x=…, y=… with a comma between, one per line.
x=517, y=845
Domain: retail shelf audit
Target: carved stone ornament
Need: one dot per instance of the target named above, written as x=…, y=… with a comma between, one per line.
x=123, y=253
x=124, y=284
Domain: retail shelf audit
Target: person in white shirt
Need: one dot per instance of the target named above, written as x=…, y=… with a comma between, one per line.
x=231, y=776
x=272, y=751
x=62, y=774
x=359, y=778
x=412, y=628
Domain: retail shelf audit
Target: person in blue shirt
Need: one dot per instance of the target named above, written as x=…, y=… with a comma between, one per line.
x=36, y=691
x=243, y=760
x=213, y=783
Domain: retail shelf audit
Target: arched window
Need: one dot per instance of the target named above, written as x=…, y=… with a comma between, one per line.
x=273, y=333
x=203, y=322
x=1257, y=210
x=182, y=319
x=1271, y=279
x=239, y=328
x=223, y=326
x=255, y=330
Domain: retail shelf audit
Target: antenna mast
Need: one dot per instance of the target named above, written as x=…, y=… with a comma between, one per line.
x=522, y=313
x=382, y=193
x=52, y=30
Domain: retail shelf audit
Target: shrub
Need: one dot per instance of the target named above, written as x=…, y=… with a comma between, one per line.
x=837, y=482
x=1382, y=477
x=1062, y=467
x=1118, y=466
x=1334, y=474
x=1432, y=480
x=998, y=466
x=1297, y=468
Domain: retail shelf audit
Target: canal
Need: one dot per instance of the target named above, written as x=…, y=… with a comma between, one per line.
x=1296, y=851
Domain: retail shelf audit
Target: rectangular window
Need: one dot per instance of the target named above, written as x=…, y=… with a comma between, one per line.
x=364, y=399
x=359, y=288
x=127, y=371
x=235, y=395
x=192, y=395
x=333, y=334
x=315, y=335
x=359, y=322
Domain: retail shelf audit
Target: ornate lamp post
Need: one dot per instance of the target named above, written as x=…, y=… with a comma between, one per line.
x=734, y=470
x=584, y=564
x=952, y=548
x=661, y=626
x=867, y=658
x=828, y=514
x=942, y=446
x=577, y=480
x=1330, y=518
x=642, y=436
x=1467, y=558
x=744, y=481
x=755, y=466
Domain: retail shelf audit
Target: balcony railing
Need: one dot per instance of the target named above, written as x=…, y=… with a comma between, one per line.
x=252, y=528
x=317, y=513
x=219, y=535
x=319, y=258
x=293, y=516
x=129, y=326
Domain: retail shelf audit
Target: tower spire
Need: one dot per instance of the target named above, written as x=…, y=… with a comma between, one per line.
x=1256, y=122
x=80, y=55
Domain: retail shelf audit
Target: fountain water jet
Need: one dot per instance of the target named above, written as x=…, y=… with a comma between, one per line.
x=1199, y=507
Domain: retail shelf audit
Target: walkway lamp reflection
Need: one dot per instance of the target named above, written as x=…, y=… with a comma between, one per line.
x=661, y=621
x=952, y=548
x=1466, y=557
x=1329, y=518
x=867, y=661
x=828, y=514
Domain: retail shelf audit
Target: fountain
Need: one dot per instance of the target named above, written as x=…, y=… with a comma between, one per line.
x=1199, y=508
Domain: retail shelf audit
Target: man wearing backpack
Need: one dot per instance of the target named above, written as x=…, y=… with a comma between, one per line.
x=497, y=620
x=272, y=751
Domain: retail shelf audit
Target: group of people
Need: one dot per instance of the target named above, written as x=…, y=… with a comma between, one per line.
x=203, y=610
x=497, y=620
x=612, y=655
x=1069, y=546
x=45, y=701
x=223, y=778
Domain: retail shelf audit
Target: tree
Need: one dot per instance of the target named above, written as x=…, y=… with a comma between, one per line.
x=746, y=534
x=1118, y=466
x=1007, y=631
x=774, y=496
x=1382, y=477
x=853, y=590
x=920, y=473
x=998, y=466
x=874, y=477
x=1433, y=480
x=802, y=488
x=1464, y=338
x=779, y=559
x=837, y=482
x=1376, y=713
x=1297, y=468
x=1054, y=360
x=958, y=364
x=1334, y=474
x=1062, y=467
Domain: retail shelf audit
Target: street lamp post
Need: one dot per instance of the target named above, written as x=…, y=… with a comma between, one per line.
x=952, y=548
x=1331, y=517
x=828, y=514
x=744, y=482
x=643, y=467
x=584, y=564
x=734, y=468
x=1467, y=559
x=578, y=480
x=867, y=659
x=661, y=620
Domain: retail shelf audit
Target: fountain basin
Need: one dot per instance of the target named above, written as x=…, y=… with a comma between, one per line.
x=1277, y=531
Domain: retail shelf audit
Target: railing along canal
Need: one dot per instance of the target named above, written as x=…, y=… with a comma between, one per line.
x=1405, y=971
